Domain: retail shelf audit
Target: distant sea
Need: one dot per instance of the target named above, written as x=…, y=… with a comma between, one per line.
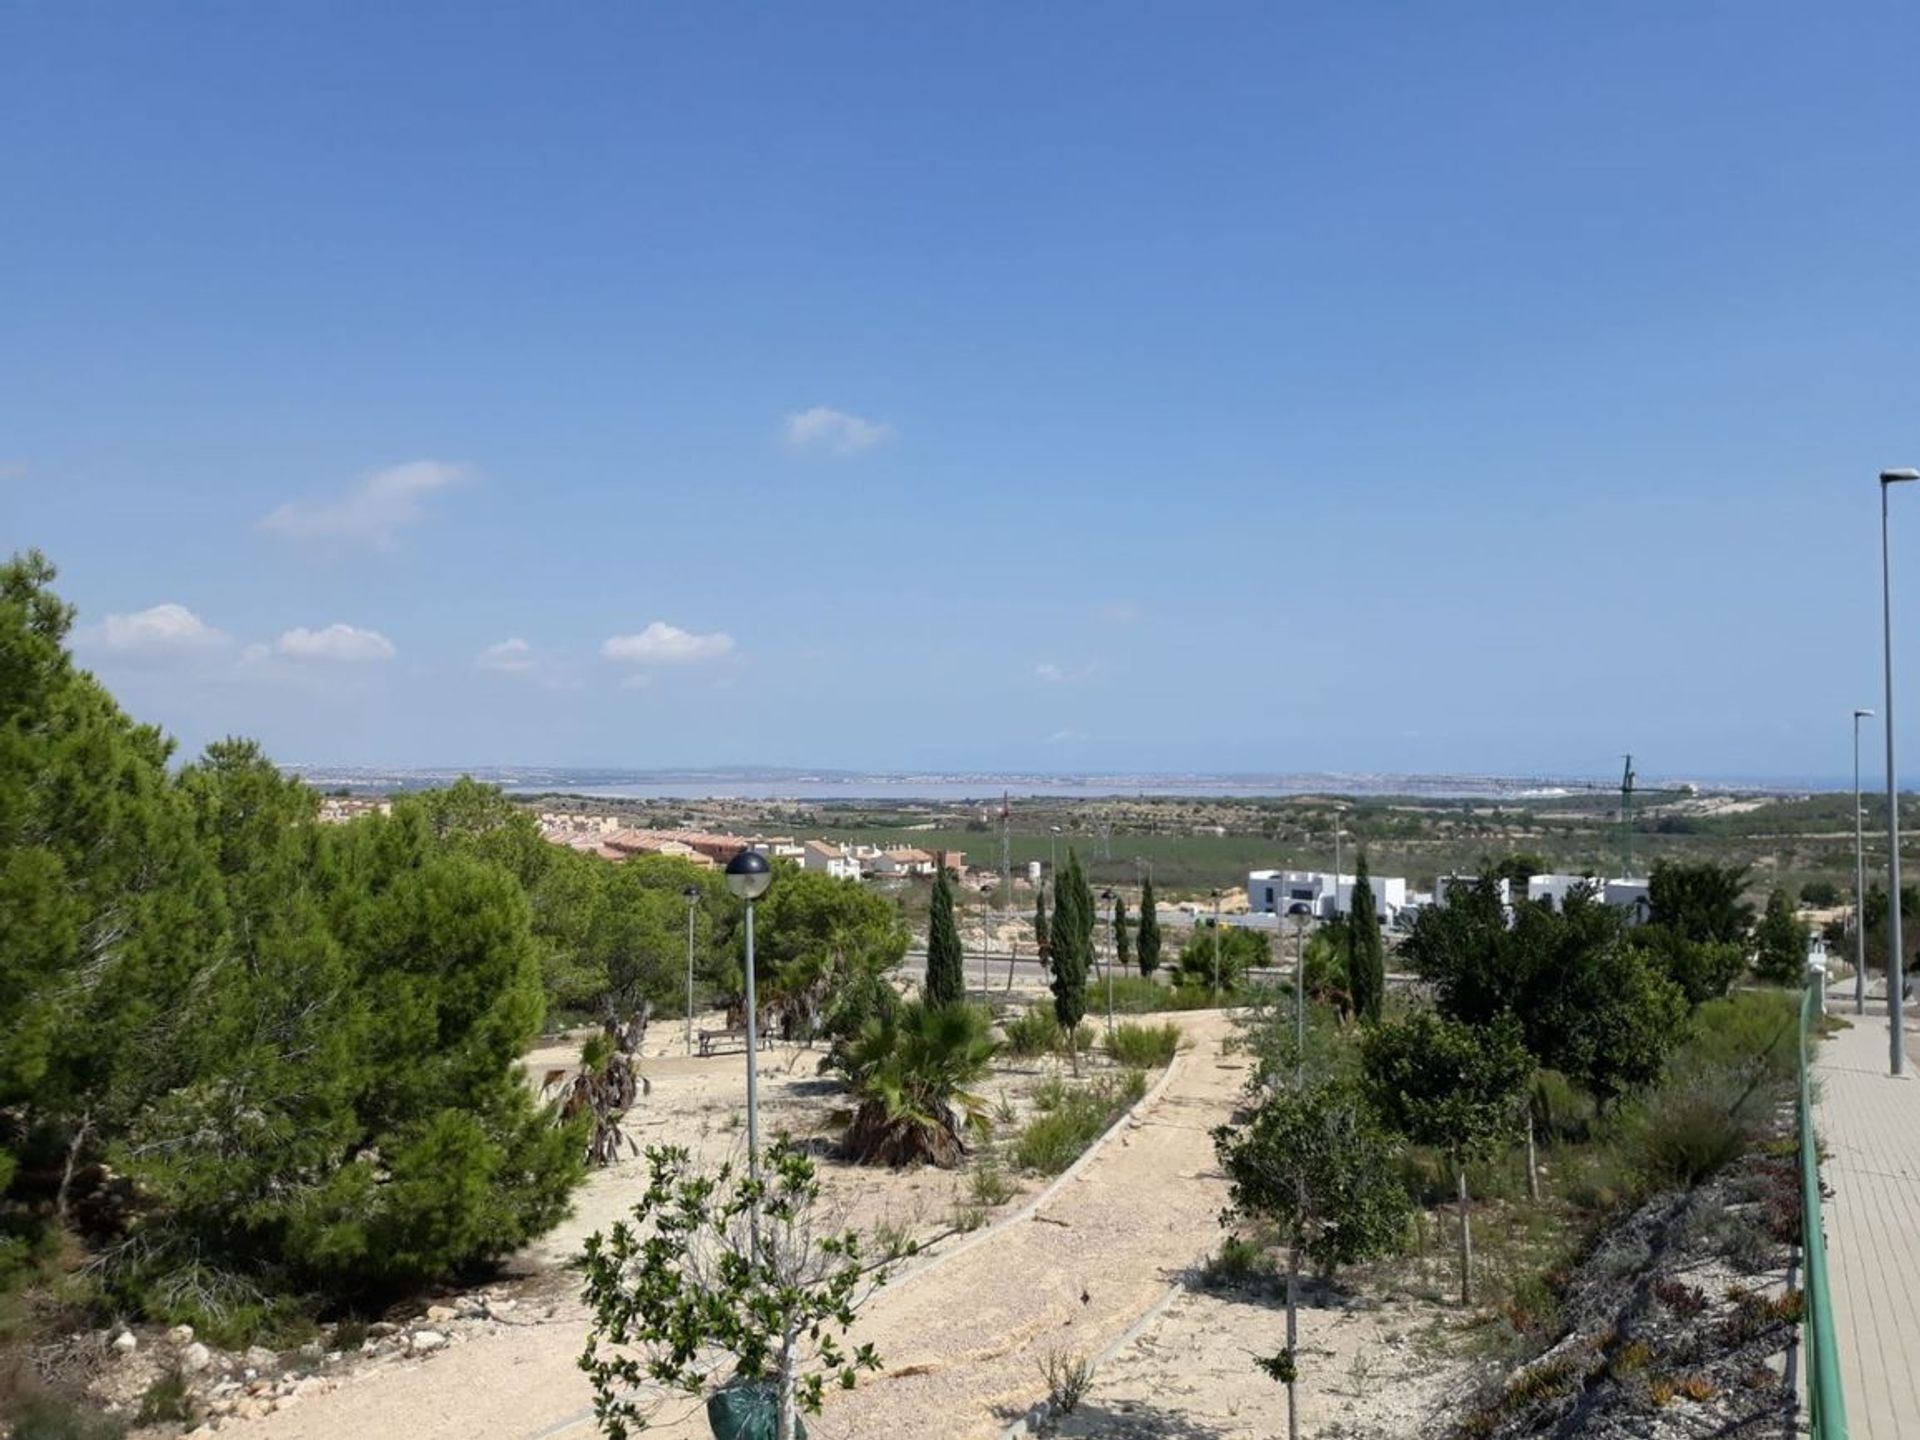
x=826, y=786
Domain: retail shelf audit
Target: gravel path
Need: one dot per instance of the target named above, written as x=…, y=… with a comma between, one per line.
x=962, y=1335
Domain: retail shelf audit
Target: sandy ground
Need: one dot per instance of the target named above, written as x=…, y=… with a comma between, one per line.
x=1092, y=1267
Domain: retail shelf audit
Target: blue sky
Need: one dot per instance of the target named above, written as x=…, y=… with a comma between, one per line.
x=1077, y=386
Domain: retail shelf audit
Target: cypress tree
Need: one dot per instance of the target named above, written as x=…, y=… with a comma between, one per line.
x=1366, y=952
x=1122, y=943
x=1071, y=929
x=1041, y=938
x=946, y=984
x=1149, y=950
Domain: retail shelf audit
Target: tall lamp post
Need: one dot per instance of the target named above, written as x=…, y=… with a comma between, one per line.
x=1299, y=998
x=1896, y=962
x=692, y=896
x=748, y=876
x=1216, y=946
x=1859, y=879
x=1106, y=903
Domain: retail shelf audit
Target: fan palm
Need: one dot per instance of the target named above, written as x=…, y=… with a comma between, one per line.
x=911, y=1074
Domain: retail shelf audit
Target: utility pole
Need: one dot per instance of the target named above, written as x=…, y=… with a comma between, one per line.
x=1859, y=879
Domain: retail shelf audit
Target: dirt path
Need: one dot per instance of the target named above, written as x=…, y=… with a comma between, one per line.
x=962, y=1335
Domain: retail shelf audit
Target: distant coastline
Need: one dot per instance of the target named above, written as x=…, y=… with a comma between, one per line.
x=768, y=783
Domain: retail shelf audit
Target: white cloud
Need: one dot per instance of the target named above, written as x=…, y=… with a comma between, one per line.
x=834, y=431
x=664, y=644
x=347, y=643
x=1051, y=674
x=371, y=511
x=166, y=630
x=1066, y=737
x=509, y=657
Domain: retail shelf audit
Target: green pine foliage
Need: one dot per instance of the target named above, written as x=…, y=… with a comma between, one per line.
x=298, y=1044
x=1366, y=951
x=1149, y=936
x=946, y=981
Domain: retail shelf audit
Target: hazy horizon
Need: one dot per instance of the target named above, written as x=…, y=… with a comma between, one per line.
x=1469, y=389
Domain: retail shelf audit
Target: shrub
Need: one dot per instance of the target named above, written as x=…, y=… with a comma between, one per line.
x=1238, y=951
x=989, y=1185
x=1144, y=1047
x=1033, y=1033
x=1239, y=1262
x=43, y=1415
x=912, y=1077
x=1076, y=1118
x=1691, y=1130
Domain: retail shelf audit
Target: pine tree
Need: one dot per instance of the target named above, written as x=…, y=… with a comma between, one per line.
x=1149, y=950
x=1071, y=933
x=1366, y=952
x=1122, y=943
x=946, y=984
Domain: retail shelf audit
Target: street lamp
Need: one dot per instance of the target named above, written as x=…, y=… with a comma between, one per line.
x=1106, y=898
x=1216, y=947
x=1299, y=998
x=692, y=896
x=748, y=876
x=1859, y=880
x=1896, y=966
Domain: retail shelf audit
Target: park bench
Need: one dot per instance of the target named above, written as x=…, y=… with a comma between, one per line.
x=713, y=1042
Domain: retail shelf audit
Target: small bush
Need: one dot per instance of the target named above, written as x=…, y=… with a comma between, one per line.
x=43, y=1415
x=1144, y=1047
x=169, y=1399
x=1068, y=1378
x=1694, y=1128
x=989, y=1185
x=1034, y=1033
x=1238, y=1263
x=1076, y=1117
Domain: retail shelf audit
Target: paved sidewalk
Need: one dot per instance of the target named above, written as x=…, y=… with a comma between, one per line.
x=1869, y=1126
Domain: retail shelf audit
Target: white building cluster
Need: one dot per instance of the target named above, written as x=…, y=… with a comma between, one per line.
x=1322, y=895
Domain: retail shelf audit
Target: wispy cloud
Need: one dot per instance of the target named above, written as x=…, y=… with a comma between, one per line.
x=165, y=631
x=834, y=432
x=664, y=644
x=1048, y=673
x=509, y=657
x=371, y=511
x=347, y=644
x=1066, y=737
x=1118, y=612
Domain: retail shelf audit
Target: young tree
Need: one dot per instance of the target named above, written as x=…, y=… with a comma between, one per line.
x=1312, y=1163
x=714, y=1273
x=1071, y=948
x=1122, y=942
x=1456, y=1087
x=946, y=981
x=1780, y=942
x=1042, y=936
x=1149, y=947
x=1700, y=901
x=1366, y=951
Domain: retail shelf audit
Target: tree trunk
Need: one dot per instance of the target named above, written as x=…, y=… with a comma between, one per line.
x=1293, y=1333
x=789, y=1414
x=1533, y=1164
x=1466, y=1235
x=1013, y=954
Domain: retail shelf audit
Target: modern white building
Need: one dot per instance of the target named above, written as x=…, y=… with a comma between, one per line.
x=1322, y=893
x=832, y=860
x=1556, y=888
x=1632, y=896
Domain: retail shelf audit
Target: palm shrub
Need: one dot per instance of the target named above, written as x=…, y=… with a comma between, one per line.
x=912, y=1076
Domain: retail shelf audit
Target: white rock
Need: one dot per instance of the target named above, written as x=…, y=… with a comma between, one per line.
x=381, y=1328
x=425, y=1341
x=181, y=1334
x=195, y=1358
x=125, y=1342
x=261, y=1358
x=438, y=1313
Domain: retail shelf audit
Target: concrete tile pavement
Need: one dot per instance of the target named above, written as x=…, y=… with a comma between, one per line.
x=1869, y=1126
